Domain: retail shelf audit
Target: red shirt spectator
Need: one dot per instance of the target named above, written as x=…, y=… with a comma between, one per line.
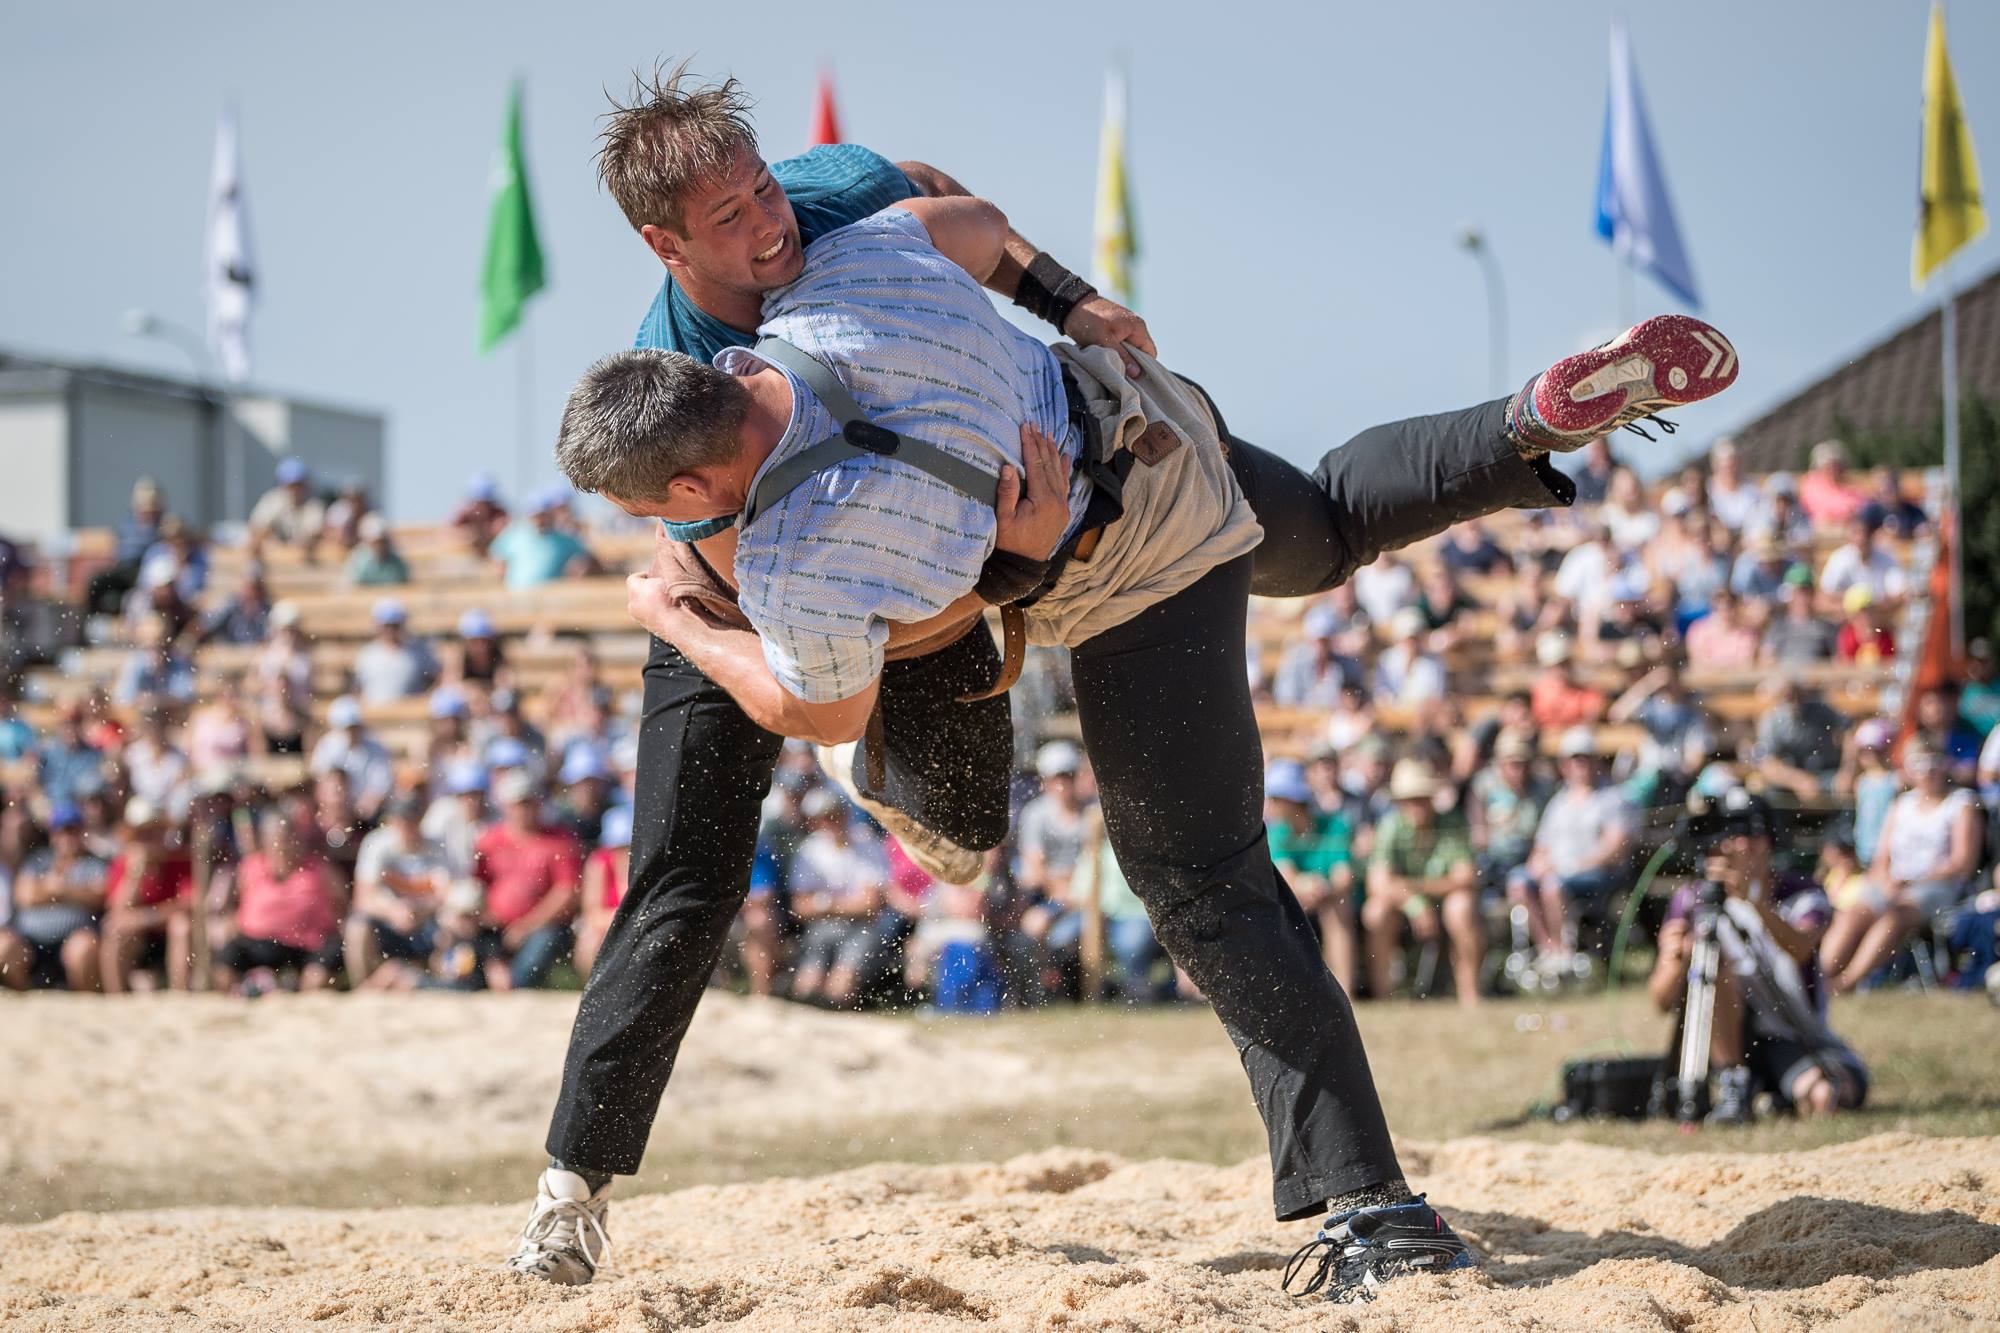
x=165, y=879
x=1826, y=495
x=1863, y=642
x=519, y=869
x=1559, y=702
x=294, y=909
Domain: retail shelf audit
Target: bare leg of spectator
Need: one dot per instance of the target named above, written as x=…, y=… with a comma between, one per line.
x=1725, y=1042
x=180, y=951
x=1878, y=946
x=17, y=961
x=1553, y=938
x=760, y=944
x=363, y=957
x=124, y=944
x=80, y=960
x=1467, y=933
x=1528, y=897
x=315, y=976
x=1339, y=942
x=1382, y=919
x=1843, y=938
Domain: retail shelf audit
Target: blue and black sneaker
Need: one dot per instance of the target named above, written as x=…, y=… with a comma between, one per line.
x=1356, y=1252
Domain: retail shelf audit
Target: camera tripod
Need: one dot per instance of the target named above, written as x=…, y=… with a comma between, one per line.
x=1698, y=1009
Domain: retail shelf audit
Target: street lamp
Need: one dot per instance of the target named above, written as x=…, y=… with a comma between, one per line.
x=1473, y=242
x=142, y=323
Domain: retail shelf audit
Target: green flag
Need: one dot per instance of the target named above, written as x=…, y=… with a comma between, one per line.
x=513, y=254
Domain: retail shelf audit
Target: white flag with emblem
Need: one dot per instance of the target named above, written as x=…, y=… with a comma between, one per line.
x=229, y=277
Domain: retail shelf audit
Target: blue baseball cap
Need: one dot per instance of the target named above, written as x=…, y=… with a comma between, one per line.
x=582, y=764
x=505, y=752
x=464, y=776
x=292, y=471
x=448, y=703
x=64, y=814
x=616, y=831
x=483, y=486
x=1285, y=780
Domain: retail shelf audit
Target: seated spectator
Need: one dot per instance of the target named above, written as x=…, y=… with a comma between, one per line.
x=149, y=893
x=1797, y=636
x=334, y=824
x=1902, y=517
x=1560, y=700
x=67, y=764
x=392, y=665
x=457, y=816
x=1768, y=1030
x=280, y=684
x=506, y=739
x=536, y=550
x=1862, y=562
x=288, y=911
x=1407, y=673
x=1313, y=671
x=1053, y=826
x=1799, y=738
x=1938, y=722
x=156, y=770
x=1443, y=602
x=220, y=732
x=575, y=705
x=375, y=562
x=157, y=597
x=1782, y=518
x=1826, y=495
x=1593, y=478
x=344, y=517
x=58, y=897
x=585, y=779
x=1735, y=502
x=481, y=516
x=400, y=878
x=1674, y=721
x=952, y=955
x=480, y=660
x=449, y=741
x=1925, y=858
x=1865, y=637
x=1585, y=576
x=1129, y=944
x=1352, y=719
x=1723, y=639
x=244, y=618
x=1385, y=587
x=1629, y=521
x=288, y=514
x=348, y=748
x=532, y=874
x=1470, y=549
x=155, y=667
x=1583, y=847
x=605, y=873
x=1422, y=870
x=1978, y=693
x=1872, y=783
x=839, y=888
x=1314, y=851
x=1503, y=808
x=135, y=535
x=1759, y=573
x=179, y=558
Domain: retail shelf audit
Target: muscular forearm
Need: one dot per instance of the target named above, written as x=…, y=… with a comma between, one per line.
x=1005, y=278
x=734, y=659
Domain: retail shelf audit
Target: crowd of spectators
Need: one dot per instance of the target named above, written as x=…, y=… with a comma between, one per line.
x=1485, y=732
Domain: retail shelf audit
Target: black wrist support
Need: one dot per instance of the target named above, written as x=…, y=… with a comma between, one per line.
x=1049, y=291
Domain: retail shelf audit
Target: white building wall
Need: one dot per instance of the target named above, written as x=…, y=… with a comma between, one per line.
x=34, y=454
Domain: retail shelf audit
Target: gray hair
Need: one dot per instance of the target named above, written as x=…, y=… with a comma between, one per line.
x=639, y=418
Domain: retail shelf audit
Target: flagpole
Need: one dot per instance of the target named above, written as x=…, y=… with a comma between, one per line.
x=1948, y=338
x=524, y=404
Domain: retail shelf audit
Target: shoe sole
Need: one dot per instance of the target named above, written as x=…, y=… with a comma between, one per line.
x=1664, y=362
x=955, y=865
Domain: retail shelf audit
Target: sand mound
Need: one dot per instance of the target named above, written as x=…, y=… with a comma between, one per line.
x=1890, y=1232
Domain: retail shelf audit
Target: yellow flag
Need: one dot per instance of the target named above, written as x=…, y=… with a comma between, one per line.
x=1950, y=213
x=1116, y=235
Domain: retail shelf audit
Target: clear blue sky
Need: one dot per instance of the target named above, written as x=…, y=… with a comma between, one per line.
x=1302, y=173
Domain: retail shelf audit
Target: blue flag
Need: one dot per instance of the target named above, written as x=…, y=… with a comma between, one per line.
x=1633, y=212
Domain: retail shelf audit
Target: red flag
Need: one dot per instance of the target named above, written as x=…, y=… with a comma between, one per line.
x=825, y=123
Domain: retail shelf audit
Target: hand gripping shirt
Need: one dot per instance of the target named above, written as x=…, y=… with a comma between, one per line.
x=823, y=572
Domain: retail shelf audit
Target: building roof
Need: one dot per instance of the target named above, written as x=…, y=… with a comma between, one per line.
x=34, y=373
x=1895, y=384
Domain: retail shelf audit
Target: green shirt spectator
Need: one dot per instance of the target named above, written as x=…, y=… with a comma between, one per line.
x=1422, y=853
x=1324, y=846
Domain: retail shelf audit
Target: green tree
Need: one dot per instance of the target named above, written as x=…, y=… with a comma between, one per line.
x=1979, y=462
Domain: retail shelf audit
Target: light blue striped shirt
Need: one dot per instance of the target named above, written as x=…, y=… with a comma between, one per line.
x=823, y=573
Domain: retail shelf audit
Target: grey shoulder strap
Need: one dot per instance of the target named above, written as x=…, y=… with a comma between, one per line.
x=858, y=436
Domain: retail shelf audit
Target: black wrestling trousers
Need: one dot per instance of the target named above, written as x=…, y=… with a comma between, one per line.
x=704, y=769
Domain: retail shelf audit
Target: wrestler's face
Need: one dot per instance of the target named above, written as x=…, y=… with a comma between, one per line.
x=740, y=236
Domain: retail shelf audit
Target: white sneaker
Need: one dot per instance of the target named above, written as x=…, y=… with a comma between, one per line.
x=940, y=857
x=564, y=1241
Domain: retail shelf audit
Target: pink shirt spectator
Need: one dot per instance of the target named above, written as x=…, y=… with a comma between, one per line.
x=519, y=872
x=1828, y=502
x=296, y=910
x=1715, y=642
x=216, y=737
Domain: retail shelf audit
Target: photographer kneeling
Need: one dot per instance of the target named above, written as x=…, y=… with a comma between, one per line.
x=1769, y=1019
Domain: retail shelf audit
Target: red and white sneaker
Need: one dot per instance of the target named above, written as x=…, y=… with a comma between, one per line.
x=1666, y=361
